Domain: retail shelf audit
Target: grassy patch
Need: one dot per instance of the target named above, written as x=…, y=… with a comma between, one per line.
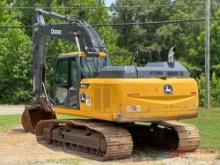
x=208, y=123
x=64, y=117
x=9, y=121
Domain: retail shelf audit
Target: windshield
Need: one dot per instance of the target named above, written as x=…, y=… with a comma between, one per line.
x=91, y=65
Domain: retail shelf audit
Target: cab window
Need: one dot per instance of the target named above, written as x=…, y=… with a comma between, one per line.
x=62, y=73
x=73, y=71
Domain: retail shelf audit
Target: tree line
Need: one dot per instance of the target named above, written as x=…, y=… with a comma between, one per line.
x=121, y=41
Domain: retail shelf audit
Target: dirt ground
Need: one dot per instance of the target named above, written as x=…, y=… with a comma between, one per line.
x=20, y=148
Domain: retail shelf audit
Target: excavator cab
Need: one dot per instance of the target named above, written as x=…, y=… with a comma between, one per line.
x=67, y=78
x=70, y=69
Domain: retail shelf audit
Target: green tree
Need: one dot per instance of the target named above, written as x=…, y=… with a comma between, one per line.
x=159, y=37
x=196, y=54
x=15, y=59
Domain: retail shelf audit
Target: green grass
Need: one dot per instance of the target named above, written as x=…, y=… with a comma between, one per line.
x=63, y=117
x=208, y=124
x=9, y=121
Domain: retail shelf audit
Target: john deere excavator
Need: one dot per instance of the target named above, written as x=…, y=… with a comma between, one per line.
x=119, y=104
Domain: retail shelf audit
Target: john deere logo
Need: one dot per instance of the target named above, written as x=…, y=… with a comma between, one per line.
x=168, y=89
x=55, y=32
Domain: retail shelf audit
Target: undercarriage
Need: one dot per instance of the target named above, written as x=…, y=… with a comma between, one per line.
x=102, y=140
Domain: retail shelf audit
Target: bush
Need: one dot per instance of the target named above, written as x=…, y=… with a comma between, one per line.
x=214, y=90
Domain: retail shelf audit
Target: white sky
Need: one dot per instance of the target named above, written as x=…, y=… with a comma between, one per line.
x=109, y=2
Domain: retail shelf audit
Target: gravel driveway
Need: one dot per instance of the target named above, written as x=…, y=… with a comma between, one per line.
x=11, y=109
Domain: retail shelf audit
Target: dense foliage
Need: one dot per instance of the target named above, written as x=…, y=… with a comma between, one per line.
x=121, y=41
x=15, y=57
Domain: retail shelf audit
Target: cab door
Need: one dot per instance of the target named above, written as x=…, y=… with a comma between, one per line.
x=67, y=81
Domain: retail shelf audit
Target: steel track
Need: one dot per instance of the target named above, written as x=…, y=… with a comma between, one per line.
x=188, y=135
x=101, y=140
x=117, y=142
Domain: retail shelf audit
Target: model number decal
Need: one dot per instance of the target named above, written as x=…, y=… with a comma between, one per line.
x=84, y=85
x=134, y=108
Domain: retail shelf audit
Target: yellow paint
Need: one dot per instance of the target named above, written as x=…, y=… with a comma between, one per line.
x=102, y=54
x=143, y=99
x=81, y=54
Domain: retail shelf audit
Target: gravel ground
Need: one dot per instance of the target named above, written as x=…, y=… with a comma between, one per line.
x=20, y=148
x=11, y=109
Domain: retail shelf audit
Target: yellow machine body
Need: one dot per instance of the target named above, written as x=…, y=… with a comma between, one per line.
x=138, y=99
x=87, y=85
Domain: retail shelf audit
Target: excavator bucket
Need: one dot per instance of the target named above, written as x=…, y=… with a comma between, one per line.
x=32, y=115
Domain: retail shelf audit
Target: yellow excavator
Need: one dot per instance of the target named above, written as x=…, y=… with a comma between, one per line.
x=118, y=105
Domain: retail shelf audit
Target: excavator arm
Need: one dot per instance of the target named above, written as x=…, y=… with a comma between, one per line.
x=83, y=35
